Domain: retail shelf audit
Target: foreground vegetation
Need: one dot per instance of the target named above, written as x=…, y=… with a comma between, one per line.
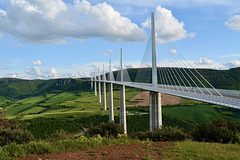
x=54, y=111
x=179, y=150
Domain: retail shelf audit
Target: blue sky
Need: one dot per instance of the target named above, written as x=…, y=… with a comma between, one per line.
x=70, y=38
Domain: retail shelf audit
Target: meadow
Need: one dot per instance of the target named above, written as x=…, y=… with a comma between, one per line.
x=74, y=110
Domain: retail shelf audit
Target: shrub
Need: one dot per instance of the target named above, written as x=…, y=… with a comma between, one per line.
x=58, y=135
x=109, y=129
x=17, y=136
x=163, y=134
x=141, y=135
x=13, y=150
x=169, y=134
x=220, y=131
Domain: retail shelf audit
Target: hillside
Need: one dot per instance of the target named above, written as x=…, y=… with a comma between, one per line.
x=222, y=79
x=18, y=88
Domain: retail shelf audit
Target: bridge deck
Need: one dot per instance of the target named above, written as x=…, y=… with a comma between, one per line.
x=229, y=98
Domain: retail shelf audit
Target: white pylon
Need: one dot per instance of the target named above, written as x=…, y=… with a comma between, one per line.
x=111, y=112
x=99, y=86
x=123, y=120
x=155, y=107
x=104, y=91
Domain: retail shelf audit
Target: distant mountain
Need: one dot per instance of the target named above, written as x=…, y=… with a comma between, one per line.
x=18, y=88
x=222, y=79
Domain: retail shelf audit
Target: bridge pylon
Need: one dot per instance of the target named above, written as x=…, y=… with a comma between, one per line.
x=95, y=84
x=104, y=90
x=123, y=120
x=111, y=111
x=99, y=86
x=155, y=106
x=91, y=83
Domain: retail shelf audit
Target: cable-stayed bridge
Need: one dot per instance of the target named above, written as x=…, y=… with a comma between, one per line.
x=173, y=75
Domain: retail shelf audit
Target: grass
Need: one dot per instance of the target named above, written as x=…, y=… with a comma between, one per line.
x=13, y=151
x=200, y=151
x=186, y=150
x=202, y=112
x=63, y=104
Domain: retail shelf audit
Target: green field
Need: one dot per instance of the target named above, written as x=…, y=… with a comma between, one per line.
x=83, y=104
x=61, y=104
x=57, y=105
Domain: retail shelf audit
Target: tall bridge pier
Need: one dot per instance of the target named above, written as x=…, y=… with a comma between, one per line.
x=104, y=91
x=111, y=112
x=123, y=120
x=91, y=82
x=155, y=106
x=95, y=84
x=99, y=86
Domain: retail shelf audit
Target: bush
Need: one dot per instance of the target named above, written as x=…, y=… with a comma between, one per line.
x=169, y=134
x=220, y=131
x=109, y=129
x=58, y=135
x=17, y=136
x=13, y=150
x=163, y=134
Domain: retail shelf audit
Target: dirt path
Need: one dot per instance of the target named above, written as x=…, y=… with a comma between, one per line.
x=120, y=152
x=143, y=99
x=81, y=133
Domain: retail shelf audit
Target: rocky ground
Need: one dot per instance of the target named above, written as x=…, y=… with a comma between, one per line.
x=143, y=99
x=146, y=150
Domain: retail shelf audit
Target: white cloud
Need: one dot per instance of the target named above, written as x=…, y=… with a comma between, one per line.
x=53, y=21
x=204, y=61
x=109, y=51
x=130, y=66
x=232, y=64
x=37, y=63
x=167, y=27
x=19, y=76
x=106, y=54
x=234, y=23
x=35, y=72
x=173, y=51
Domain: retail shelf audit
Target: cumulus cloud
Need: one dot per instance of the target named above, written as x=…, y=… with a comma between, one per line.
x=130, y=66
x=107, y=52
x=173, y=51
x=167, y=27
x=37, y=63
x=19, y=76
x=234, y=23
x=232, y=64
x=35, y=72
x=204, y=61
x=53, y=21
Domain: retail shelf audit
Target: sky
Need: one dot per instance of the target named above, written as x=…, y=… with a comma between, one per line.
x=45, y=39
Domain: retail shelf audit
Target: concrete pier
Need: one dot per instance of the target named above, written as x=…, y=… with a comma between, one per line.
x=104, y=97
x=111, y=111
x=95, y=85
x=123, y=119
x=155, y=105
x=104, y=91
x=155, y=110
x=99, y=86
x=91, y=83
